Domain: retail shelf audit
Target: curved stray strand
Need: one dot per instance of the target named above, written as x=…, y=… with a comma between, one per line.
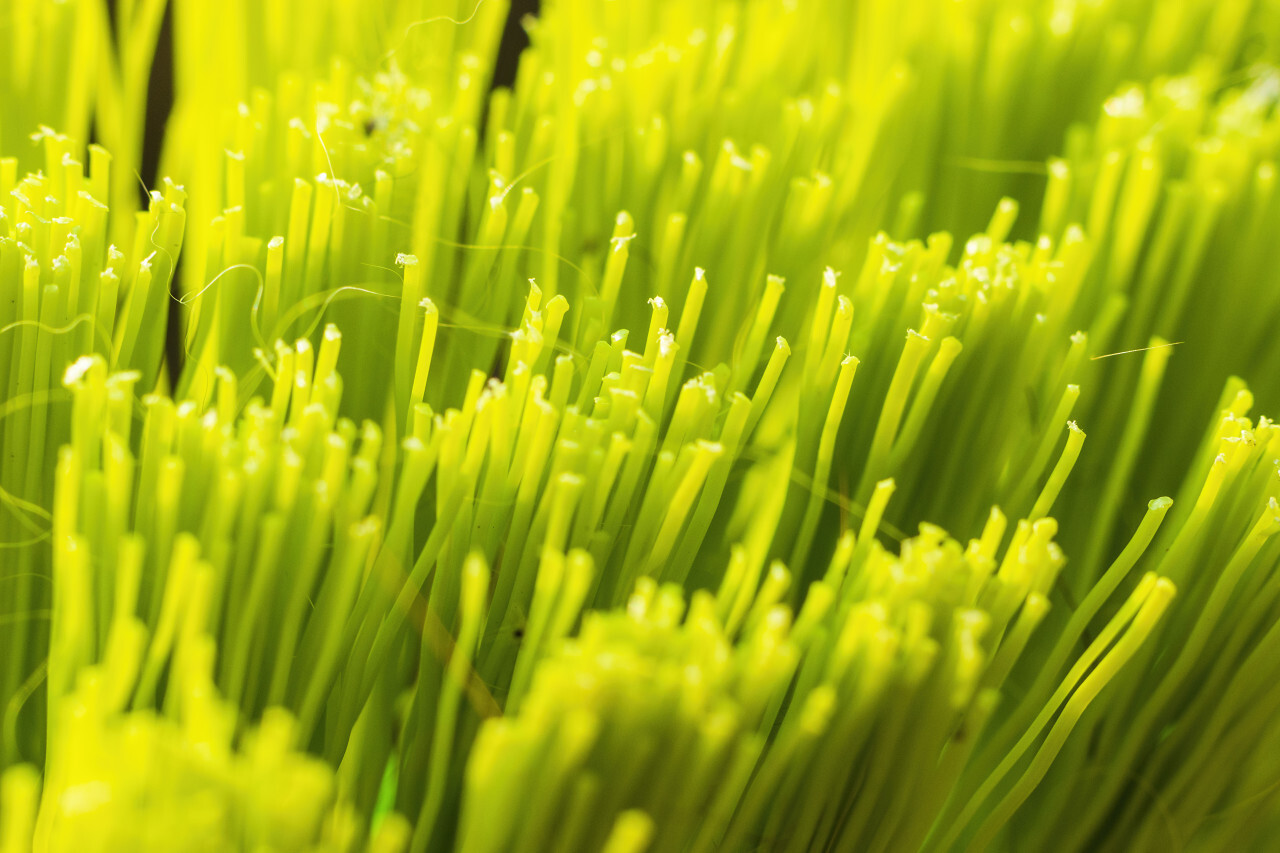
x=37, y=575
x=454, y=244
x=846, y=505
x=62, y=330
x=328, y=158
x=473, y=323
x=1247, y=802
x=991, y=164
x=260, y=356
x=250, y=379
x=321, y=305
x=20, y=507
x=187, y=300
x=137, y=176
x=582, y=273
x=1139, y=349
x=16, y=702
x=404, y=37
x=395, y=272
x=151, y=238
x=254, y=323
x=16, y=507
x=26, y=543
x=24, y=616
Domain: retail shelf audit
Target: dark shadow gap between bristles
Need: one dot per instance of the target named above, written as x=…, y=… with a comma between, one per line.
x=514, y=41
x=159, y=106
x=507, y=60
x=506, y=64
